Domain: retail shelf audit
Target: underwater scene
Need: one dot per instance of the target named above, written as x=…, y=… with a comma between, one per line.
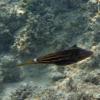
x=49, y=49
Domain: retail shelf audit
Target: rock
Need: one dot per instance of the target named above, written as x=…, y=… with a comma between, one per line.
x=9, y=71
x=57, y=76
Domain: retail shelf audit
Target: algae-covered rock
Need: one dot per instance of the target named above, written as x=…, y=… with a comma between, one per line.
x=22, y=92
x=8, y=70
x=10, y=22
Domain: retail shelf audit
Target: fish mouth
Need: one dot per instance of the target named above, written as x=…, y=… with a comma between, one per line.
x=88, y=53
x=85, y=53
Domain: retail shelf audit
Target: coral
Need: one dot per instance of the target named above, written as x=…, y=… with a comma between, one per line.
x=56, y=21
x=10, y=22
x=21, y=43
x=22, y=93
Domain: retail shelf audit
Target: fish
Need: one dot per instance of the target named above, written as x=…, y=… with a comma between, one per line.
x=68, y=56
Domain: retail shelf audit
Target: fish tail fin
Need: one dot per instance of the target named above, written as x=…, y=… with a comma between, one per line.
x=29, y=62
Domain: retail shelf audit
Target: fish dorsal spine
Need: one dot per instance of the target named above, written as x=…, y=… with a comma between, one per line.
x=74, y=46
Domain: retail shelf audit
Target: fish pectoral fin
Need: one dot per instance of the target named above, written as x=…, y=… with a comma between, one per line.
x=29, y=62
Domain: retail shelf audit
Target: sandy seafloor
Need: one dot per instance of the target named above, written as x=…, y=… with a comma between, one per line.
x=30, y=28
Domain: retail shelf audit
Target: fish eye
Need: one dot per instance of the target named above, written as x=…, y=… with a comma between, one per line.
x=35, y=59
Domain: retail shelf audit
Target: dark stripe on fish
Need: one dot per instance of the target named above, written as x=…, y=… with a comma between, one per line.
x=59, y=56
x=65, y=57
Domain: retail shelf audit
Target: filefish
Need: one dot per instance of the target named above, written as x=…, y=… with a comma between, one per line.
x=64, y=57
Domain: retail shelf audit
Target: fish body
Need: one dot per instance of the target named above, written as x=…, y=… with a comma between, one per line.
x=64, y=57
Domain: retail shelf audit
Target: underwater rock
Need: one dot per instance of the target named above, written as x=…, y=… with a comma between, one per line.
x=93, y=77
x=9, y=71
x=22, y=93
x=10, y=23
x=57, y=76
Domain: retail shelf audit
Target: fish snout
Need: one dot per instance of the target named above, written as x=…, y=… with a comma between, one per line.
x=85, y=53
x=89, y=53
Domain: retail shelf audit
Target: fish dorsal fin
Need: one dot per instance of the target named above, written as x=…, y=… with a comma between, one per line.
x=74, y=46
